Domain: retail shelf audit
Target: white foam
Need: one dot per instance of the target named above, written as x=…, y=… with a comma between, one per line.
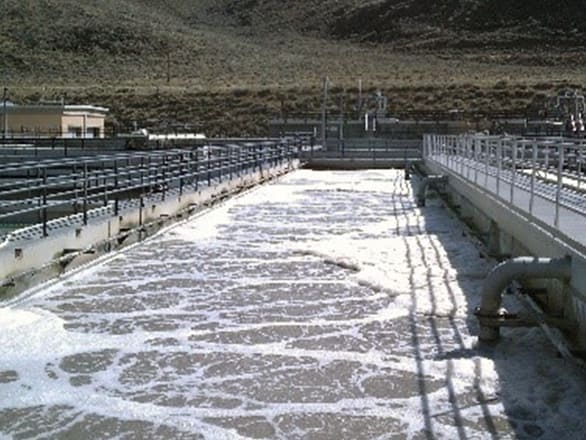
x=383, y=293
x=11, y=318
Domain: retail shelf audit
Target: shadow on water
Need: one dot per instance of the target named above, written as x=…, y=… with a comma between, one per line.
x=526, y=364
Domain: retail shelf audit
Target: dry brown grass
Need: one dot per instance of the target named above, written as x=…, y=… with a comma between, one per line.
x=228, y=78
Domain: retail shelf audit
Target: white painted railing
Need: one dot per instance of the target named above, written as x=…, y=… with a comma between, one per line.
x=543, y=177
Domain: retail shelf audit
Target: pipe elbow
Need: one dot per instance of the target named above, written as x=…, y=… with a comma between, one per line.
x=426, y=182
x=519, y=268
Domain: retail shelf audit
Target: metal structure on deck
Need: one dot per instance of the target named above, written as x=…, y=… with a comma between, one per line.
x=38, y=191
x=543, y=177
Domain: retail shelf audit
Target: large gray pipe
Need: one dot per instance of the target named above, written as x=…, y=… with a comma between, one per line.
x=424, y=184
x=516, y=268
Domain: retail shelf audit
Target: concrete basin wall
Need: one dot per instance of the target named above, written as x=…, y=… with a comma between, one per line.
x=27, y=258
x=510, y=233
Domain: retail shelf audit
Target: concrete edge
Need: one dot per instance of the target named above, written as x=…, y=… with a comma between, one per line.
x=54, y=257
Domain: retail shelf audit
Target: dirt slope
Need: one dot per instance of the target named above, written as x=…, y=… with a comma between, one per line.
x=227, y=65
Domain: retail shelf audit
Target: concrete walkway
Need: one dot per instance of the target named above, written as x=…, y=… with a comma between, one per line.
x=571, y=217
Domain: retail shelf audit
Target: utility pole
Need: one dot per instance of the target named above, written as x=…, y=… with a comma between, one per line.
x=323, y=113
x=359, y=105
x=168, y=68
x=5, y=115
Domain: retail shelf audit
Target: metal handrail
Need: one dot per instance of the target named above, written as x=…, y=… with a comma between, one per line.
x=548, y=168
x=114, y=178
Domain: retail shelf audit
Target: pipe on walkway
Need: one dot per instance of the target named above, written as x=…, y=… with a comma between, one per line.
x=503, y=274
x=425, y=183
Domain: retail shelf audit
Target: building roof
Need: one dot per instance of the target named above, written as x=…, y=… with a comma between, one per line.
x=86, y=108
x=51, y=108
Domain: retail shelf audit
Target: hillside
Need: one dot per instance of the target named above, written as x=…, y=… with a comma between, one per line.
x=227, y=65
x=472, y=24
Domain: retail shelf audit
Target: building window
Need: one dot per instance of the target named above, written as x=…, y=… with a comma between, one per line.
x=74, y=132
x=93, y=132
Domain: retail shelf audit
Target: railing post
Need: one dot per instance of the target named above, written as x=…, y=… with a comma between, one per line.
x=74, y=173
x=129, y=173
x=140, y=213
x=209, y=161
x=445, y=150
x=533, y=175
x=429, y=139
x=487, y=152
x=559, y=184
x=116, y=198
x=164, y=186
x=45, y=233
x=469, y=143
x=142, y=174
x=220, y=162
x=196, y=165
x=241, y=159
x=579, y=165
x=513, y=170
x=105, y=181
x=230, y=160
x=181, y=160
x=476, y=143
x=499, y=154
x=461, y=153
x=85, y=184
x=451, y=147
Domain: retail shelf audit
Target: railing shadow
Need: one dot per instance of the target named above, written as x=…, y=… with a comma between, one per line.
x=443, y=310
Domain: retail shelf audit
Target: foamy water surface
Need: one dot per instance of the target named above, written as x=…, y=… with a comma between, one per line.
x=322, y=306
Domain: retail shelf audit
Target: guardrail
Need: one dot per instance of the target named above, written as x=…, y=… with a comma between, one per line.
x=50, y=189
x=543, y=177
x=366, y=149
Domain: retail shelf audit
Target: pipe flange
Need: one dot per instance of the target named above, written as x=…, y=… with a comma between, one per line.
x=502, y=318
x=500, y=314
